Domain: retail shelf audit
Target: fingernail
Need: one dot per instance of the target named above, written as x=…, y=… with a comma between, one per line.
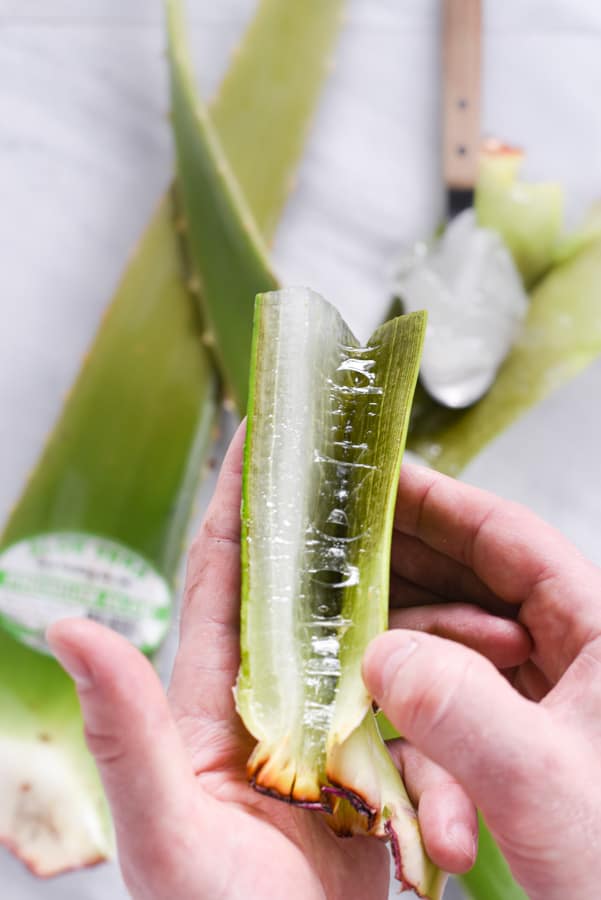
x=384, y=664
x=73, y=664
x=461, y=836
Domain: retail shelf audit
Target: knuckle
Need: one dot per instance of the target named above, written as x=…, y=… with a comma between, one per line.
x=434, y=704
x=107, y=749
x=220, y=527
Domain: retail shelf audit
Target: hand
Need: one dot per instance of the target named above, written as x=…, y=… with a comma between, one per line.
x=526, y=747
x=188, y=825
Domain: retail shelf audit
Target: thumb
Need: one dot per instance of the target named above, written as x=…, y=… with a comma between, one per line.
x=454, y=706
x=143, y=764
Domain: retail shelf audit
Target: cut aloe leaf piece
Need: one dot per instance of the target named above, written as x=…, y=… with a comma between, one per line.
x=327, y=422
x=527, y=216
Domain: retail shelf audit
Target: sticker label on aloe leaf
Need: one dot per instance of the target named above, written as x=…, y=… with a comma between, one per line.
x=60, y=575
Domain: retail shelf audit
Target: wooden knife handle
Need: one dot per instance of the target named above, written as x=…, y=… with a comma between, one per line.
x=461, y=30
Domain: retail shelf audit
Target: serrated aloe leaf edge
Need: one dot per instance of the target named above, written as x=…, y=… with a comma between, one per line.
x=326, y=428
x=38, y=706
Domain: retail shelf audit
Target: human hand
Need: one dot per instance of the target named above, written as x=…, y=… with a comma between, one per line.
x=526, y=747
x=187, y=823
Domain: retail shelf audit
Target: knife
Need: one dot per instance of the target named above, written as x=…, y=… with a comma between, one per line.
x=461, y=58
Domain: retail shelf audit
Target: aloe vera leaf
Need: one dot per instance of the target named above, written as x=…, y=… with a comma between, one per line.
x=125, y=454
x=226, y=245
x=326, y=427
x=561, y=335
x=588, y=233
x=490, y=878
x=122, y=461
x=276, y=78
x=232, y=186
x=527, y=216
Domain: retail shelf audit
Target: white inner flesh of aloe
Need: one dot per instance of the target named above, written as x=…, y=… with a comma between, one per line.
x=476, y=302
x=48, y=809
x=327, y=425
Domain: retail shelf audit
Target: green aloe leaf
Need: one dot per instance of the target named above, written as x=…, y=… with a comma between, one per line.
x=121, y=463
x=124, y=456
x=227, y=247
x=266, y=100
x=327, y=423
x=126, y=453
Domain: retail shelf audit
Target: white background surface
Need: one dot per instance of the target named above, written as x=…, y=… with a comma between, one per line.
x=85, y=152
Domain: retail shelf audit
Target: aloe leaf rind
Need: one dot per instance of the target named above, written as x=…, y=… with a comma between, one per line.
x=226, y=246
x=327, y=421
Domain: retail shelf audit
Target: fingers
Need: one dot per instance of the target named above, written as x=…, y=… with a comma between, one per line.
x=145, y=770
x=530, y=681
x=208, y=657
x=509, y=548
x=504, y=642
x=452, y=705
x=447, y=817
x=576, y=699
x=447, y=579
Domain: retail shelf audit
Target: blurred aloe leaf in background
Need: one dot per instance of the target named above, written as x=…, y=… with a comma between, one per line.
x=126, y=453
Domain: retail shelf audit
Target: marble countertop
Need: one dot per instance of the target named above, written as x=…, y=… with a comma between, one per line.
x=85, y=152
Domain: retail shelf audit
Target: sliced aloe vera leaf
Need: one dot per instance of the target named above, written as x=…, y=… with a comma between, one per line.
x=326, y=428
x=527, y=216
x=561, y=335
x=40, y=710
x=226, y=245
